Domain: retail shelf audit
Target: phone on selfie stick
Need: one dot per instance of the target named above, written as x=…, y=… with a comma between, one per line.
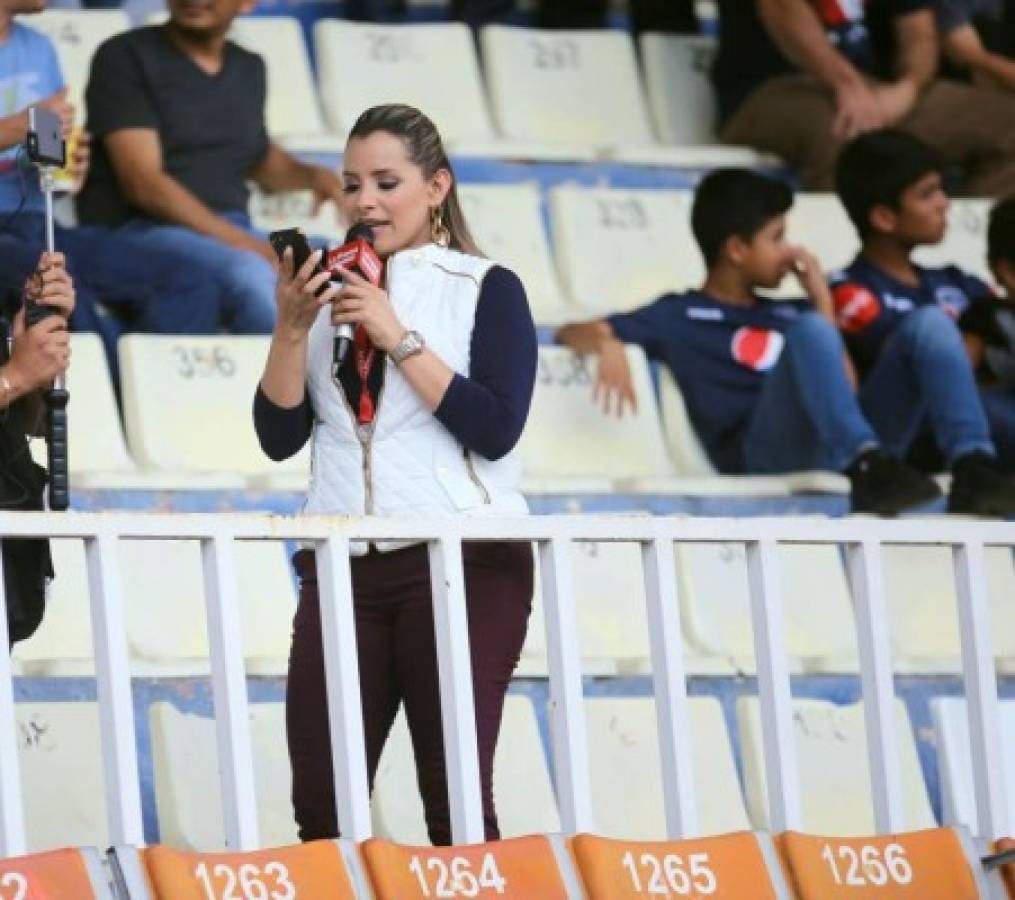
x=47, y=150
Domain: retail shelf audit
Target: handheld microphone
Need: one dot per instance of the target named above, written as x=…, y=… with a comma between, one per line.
x=357, y=254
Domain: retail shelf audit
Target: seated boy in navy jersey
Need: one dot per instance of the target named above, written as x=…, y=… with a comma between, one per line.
x=768, y=385
x=901, y=321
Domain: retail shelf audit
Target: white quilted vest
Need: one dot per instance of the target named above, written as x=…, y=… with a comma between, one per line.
x=406, y=463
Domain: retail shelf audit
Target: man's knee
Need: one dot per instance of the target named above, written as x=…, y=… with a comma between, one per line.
x=813, y=329
x=929, y=323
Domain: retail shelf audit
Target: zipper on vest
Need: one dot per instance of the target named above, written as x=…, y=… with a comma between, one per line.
x=471, y=469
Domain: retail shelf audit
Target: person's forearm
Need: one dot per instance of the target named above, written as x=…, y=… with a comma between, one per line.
x=429, y=376
x=799, y=34
x=162, y=197
x=997, y=70
x=13, y=129
x=280, y=171
x=284, y=381
x=586, y=337
x=917, y=56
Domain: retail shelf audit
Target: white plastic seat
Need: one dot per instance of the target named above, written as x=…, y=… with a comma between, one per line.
x=431, y=66
x=923, y=608
x=621, y=249
x=187, y=788
x=507, y=222
x=626, y=773
x=820, y=627
x=521, y=781
x=77, y=34
x=60, y=758
x=954, y=760
x=295, y=209
x=540, y=85
x=175, y=388
x=291, y=107
x=164, y=608
x=681, y=97
x=835, y=785
x=965, y=243
x=609, y=596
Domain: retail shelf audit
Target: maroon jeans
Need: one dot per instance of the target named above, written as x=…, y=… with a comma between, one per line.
x=398, y=663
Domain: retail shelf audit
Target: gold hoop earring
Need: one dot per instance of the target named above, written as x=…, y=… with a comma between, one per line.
x=439, y=232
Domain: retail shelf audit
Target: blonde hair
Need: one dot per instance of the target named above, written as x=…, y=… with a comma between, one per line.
x=426, y=149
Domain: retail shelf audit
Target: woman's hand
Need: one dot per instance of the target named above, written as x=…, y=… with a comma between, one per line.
x=362, y=303
x=296, y=295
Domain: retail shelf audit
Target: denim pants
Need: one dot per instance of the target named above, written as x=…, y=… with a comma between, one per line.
x=808, y=416
x=244, y=282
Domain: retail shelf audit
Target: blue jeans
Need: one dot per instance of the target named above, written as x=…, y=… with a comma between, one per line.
x=808, y=416
x=120, y=284
x=244, y=282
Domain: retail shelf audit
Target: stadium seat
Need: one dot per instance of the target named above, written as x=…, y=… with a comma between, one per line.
x=626, y=772
x=77, y=34
x=820, y=628
x=186, y=777
x=164, y=608
x=609, y=596
x=524, y=794
x=68, y=872
x=954, y=759
x=682, y=100
x=318, y=870
x=61, y=774
x=965, y=243
x=291, y=108
x=819, y=222
x=507, y=222
x=431, y=66
x=529, y=867
x=923, y=607
x=173, y=387
x=740, y=864
x=295, y=209
x=834, y=775
x=621, y=249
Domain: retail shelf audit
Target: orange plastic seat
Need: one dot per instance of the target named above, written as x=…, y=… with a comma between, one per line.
x=56, y=873
x=312, y=871
x=526, y=868
x=936, y=864
x=740, y=865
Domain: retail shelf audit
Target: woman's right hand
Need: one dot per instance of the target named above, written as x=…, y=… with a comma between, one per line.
x=296, y=294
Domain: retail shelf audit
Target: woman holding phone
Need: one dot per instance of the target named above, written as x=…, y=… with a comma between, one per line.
x=422, y=419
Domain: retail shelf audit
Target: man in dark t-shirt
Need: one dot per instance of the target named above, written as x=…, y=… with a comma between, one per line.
x=799, y=77
x=177, y=115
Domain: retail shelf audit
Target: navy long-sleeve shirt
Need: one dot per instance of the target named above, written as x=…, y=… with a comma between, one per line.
x=485, y=411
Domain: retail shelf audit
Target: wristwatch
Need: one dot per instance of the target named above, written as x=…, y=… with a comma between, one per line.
x=411, y=344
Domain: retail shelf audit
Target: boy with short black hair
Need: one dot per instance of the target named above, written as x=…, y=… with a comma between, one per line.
x=900, y=320
x=767, y=384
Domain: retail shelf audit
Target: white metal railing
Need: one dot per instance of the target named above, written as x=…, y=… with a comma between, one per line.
x=862, y=539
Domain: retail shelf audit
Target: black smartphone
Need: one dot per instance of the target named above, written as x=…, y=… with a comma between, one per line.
x=294, y=238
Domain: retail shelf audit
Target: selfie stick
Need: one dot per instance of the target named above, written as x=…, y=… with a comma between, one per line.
x=57, y=396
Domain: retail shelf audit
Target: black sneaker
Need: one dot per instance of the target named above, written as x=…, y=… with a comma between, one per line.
x=979, y=488
x=884, y=486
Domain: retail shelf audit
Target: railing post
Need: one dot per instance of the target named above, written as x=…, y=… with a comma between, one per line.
x=229, y=689
x=872, y=626
x=113, y=687
x=567, y=698
x=774, y=694
x=458, y=707
x=12, y=811
x=670, y=686
x=981, y=691
x=341, y=668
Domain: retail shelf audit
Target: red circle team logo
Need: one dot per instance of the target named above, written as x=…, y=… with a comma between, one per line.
x=855, y=306
x=757, y=348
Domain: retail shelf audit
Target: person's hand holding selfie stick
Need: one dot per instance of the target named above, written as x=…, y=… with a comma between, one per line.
x=47, y=149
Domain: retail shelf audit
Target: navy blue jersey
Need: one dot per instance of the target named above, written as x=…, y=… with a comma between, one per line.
x=870, y=303
x=720, y=356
